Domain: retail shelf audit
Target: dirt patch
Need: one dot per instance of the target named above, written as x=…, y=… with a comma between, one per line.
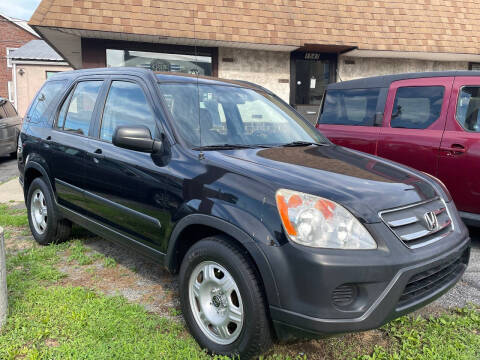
x=131, y=276
x=340, y=347
x=51, y=342
x=17, y=239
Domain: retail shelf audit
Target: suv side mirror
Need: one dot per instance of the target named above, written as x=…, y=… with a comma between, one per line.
x=136, y=138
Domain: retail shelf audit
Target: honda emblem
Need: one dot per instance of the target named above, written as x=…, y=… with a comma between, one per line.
x=431, y=220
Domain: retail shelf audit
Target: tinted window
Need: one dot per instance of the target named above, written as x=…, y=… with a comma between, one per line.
x=2, y=112
x=468, y=108
x=63, y=111
x=9, y=109
x=417, y=107
x=216, y=115
x=161, y=61
x=81, y=105
x=126, y=105
x=38, y=110
x=350, y=107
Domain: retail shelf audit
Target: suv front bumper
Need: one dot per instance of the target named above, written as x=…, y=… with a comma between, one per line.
x=383, y=286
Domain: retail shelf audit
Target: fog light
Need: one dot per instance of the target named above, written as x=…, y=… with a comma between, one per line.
x=344, y=295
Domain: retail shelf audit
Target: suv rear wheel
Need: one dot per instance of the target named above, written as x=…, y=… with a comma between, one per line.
x=222, y=300
x=43, y=219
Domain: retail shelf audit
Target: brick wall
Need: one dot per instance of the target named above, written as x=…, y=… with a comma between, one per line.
x=11, y=36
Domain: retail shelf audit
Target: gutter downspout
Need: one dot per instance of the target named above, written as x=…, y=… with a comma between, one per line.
x=14, y=76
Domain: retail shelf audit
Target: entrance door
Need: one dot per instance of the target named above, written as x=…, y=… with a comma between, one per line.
x=310, y=75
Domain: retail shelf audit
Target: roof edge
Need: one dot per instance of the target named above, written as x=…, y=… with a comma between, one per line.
x=32, y=32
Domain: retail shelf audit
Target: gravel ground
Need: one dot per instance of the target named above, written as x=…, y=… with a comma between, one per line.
x=467, y=289
x=8, y=168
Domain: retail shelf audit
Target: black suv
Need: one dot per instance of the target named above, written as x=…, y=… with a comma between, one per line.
x=276, y=232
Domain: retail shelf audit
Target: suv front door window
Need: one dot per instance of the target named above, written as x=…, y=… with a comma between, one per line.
x=126, y=105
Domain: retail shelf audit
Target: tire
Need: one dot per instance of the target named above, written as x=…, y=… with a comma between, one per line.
x=246, y=335
x=45, y=224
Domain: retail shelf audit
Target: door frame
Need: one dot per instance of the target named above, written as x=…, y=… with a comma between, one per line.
x=300, y=55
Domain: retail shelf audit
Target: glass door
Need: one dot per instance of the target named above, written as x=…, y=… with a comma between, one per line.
x=311, y=73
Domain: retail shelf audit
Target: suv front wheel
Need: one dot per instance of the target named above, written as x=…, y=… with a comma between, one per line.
x=45, y=224
x=222, y=300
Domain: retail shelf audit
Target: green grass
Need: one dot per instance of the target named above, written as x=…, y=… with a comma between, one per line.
x=78, y=253
x=109, y=262
x=449, y=336
x=48, y=321
x=12, y=217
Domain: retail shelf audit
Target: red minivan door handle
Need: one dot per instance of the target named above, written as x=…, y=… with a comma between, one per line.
x=455, y=149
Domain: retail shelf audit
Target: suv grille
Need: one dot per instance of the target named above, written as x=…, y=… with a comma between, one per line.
x=424, y=283
x=419, y=224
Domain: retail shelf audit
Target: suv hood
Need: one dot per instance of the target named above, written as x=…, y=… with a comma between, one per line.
x=362, y=183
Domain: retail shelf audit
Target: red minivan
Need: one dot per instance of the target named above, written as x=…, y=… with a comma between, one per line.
x=429, y=121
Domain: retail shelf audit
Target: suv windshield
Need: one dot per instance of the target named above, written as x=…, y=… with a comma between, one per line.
x=219, y=115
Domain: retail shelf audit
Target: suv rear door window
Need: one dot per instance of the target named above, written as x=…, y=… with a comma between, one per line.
x=126, y=105
x=417, y=107
x=355, y=107
x=81, y=106
x=38, y=111
x=468, y=108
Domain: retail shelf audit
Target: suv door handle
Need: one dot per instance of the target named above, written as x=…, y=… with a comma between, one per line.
x=97, y=155
x=455, y=149
x=47, y=142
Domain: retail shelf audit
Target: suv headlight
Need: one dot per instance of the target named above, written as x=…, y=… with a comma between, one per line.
x=317, y=222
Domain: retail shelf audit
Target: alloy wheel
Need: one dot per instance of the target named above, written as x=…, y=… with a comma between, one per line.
x=216, y=302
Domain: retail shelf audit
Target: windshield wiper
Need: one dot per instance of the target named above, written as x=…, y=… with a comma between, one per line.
x=224, y=147
x=302, y=143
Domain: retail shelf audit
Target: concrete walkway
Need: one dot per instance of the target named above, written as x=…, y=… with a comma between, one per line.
x=11, y=192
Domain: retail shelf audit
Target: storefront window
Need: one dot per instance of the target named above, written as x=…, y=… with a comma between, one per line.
x=189, y=64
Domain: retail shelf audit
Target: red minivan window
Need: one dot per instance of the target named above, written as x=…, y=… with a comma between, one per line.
x=417, y=107
x=350, y=107
x=348, y=118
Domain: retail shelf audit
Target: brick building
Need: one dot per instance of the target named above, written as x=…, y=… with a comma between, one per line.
x=13, y=34
x=293, y=47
